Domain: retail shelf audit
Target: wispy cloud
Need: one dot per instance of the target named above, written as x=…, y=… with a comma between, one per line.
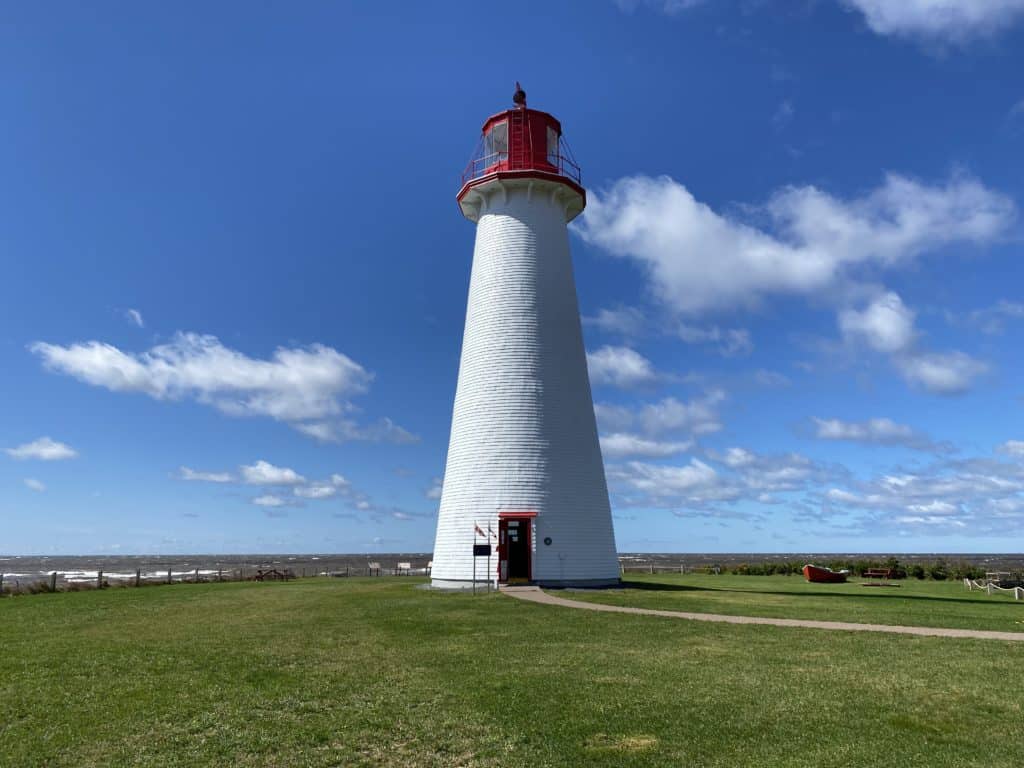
x=698, y=416
x=34, y=484
x=44, y=449
x=301, y=386
x=625, y=321
x=783, y=115
x=877, y=431
x=269, y=500
x=186, y=473
x=731, y=342
x=619, y=445
x=135, y=317
x=982, y=496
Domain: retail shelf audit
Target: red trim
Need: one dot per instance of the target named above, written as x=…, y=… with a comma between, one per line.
x=506, y=515
x=547, y=117
x=531, y=174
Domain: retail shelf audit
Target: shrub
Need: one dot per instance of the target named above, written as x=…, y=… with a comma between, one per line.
x=939, y=571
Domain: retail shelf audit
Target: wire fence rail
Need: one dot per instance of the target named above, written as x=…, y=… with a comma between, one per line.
x=992, y=586
x=74, y=581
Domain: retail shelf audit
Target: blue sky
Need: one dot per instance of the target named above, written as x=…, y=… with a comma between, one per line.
x=234, y=274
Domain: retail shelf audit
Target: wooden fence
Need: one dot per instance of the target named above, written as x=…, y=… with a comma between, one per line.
x=56, y=582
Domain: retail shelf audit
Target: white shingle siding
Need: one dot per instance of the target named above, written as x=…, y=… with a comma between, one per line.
x=523, y=433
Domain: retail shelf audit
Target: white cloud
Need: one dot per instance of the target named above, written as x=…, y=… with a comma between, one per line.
x=34, y=484
x=768, y=378
x=339, y=481
x=732, y=342
x=269, y=500
x=699, y=260
x=660, y=481
x=1013, y=448
x=626, y=321
x=886, y=324
x=345, y=430
x=743, y=476
x=877, y=431
x=135, y=317
x=984, y=495
x=992, y=320
x=670, y=7
x=45, y=448
x=699, y=416
x=620, y=367
x=947, y=373
x=265, y=473
x=669, y=415
x=621, y=444
x=434, y=491
x=783, y=115
x=738, y=457
x=315, y=491
x=209, y=477
x=944, y=21
x=296, y=385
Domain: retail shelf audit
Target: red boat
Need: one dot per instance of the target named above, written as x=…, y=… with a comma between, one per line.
x=817, y=575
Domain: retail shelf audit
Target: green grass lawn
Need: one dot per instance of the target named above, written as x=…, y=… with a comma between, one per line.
x=375, y=672
x=920, y=603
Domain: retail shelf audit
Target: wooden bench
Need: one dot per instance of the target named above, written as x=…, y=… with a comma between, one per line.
x=880, y=577
x=878, y=573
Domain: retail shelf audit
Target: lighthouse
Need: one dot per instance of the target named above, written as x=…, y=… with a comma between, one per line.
x=524, y=472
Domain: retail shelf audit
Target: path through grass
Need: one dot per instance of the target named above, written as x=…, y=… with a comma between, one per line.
x=912, y=603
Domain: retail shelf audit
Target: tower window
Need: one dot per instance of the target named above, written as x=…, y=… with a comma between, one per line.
x=552, y=146
x=496, y=141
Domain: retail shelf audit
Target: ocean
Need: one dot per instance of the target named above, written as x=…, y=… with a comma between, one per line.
x=25, y=569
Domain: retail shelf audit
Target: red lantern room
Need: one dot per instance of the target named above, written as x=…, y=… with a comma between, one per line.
x=522, y=143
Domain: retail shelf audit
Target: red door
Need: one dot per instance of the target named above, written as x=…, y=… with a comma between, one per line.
x=514, y=555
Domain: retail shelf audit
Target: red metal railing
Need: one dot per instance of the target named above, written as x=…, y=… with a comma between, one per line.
x=483, y=164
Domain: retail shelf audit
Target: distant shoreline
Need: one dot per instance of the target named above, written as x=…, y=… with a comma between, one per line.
x=85, y=566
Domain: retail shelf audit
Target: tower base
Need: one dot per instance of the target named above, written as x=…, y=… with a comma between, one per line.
x=456, y=585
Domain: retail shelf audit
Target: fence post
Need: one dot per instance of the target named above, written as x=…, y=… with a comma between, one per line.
x=99, y=579
x=1, y=582
x=220, y=575
x=195, y=579
x=169, y=576
x=652, y=568
x=138, y=577
x=53, y=581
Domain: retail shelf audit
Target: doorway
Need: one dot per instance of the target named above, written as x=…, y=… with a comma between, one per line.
x=515, y=561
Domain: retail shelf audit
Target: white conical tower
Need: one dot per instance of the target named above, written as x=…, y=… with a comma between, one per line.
x=524, y=469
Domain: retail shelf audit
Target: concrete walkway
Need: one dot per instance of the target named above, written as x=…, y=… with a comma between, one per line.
x=536, y=595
